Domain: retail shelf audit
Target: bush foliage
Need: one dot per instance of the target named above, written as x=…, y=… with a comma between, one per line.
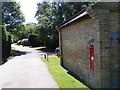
x=33, y=40
x=6, y=43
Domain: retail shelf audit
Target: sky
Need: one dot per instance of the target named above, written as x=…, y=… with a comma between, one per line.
x=29, y=8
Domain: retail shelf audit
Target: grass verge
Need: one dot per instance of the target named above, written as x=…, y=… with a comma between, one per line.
x=13, y=49
x=63, y=79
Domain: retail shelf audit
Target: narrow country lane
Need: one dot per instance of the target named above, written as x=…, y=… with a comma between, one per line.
x=26, y=71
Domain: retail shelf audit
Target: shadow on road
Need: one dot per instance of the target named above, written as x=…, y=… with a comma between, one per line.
x=46, y=51
x=13, y=54
x=18, y=53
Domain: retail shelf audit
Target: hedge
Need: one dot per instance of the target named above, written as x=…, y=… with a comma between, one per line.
x=6, y=43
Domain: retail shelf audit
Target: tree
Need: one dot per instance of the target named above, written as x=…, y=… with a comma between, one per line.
x=12, y=17
x=12, y=21
x=49, y=15
x=26, y=30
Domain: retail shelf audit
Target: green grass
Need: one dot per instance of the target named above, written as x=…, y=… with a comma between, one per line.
x=13, y=48
x=63, y=79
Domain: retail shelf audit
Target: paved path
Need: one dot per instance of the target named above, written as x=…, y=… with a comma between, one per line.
x=26, y=71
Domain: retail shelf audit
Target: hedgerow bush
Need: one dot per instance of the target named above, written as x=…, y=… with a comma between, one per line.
x=33, y=40
x=6, y=43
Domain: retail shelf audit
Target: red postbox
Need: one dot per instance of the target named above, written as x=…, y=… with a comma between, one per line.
x=91, y=49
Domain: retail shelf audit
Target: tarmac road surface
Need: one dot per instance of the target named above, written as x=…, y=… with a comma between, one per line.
x=26, y=70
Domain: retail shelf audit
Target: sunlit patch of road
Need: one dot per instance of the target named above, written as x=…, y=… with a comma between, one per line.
x=26, y=71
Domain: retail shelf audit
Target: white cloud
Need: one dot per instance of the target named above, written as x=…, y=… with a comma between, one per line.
x=29, y=7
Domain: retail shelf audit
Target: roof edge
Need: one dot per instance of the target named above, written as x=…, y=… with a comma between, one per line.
x=85, y=11
x=71, y=18
x=74, y=19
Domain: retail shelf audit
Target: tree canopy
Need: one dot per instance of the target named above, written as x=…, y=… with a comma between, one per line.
x=12, y=17
x=49, y=15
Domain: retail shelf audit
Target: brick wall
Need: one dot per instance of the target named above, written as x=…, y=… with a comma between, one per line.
x=104, y=28
x=75, y=51
x=114, y=51
x=105, y=75
x=109, y=48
